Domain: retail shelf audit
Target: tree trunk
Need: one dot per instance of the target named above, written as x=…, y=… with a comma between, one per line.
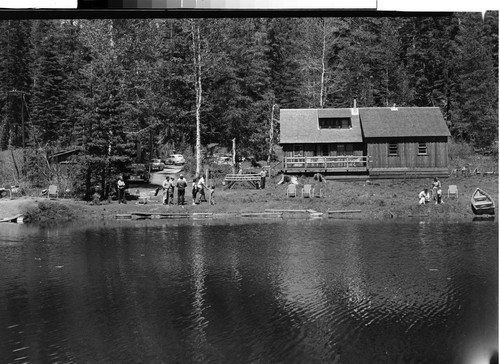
x=271, y=135
x=323, y=68
x=198, y=89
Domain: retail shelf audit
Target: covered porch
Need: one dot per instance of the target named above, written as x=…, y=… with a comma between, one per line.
x=322, y=164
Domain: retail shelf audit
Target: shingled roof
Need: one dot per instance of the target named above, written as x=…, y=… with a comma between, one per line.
x=380, y=122
x=302, y=126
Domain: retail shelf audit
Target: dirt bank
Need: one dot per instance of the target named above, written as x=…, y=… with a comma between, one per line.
x=377, y=199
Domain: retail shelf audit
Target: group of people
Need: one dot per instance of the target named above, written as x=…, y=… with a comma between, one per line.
x=169, y=186
x=433, y=193
x=198, y=190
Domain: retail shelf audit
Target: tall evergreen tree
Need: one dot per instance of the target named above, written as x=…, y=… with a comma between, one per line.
x=474, y=117
x=14, y=80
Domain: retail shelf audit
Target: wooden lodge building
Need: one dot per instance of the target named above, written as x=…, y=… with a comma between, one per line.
x=370, y=142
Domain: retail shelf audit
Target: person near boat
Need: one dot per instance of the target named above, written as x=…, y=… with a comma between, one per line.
x=438, y=197
x=436, y=186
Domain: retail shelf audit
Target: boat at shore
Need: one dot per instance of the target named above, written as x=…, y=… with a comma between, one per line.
x=482, y=203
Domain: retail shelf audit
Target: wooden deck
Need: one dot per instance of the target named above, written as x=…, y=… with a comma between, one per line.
x=325, y=164
x=340, y=167
x=252, y=179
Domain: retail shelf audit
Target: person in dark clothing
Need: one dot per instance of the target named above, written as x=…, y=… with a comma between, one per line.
x=121, y=190
x=262, y=179
x=181, y=190
x=194, y=190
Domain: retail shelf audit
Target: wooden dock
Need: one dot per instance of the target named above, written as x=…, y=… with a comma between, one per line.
x=285, y=210
x=262, y=214
x=343, y=212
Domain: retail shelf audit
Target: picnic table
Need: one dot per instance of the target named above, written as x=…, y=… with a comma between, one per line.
x=232, y=179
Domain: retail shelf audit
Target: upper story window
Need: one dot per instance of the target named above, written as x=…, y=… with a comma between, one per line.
x=334, y=123
x=422, y=148
x=393, y=149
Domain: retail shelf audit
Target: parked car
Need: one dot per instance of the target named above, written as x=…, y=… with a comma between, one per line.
x=156, y=165
x=177, y=159
x=138, y=173
x=224, y=160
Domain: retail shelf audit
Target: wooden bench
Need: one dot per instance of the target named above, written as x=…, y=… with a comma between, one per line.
x=253, y=179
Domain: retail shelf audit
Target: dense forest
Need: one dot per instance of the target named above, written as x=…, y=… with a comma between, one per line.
x=112, y=86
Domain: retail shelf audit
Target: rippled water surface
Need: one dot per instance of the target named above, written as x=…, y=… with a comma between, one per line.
x=262, y=292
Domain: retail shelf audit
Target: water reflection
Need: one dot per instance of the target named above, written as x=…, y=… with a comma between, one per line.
x=204, y=291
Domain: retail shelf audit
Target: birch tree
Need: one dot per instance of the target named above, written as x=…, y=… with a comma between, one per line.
x=317, y=58
x=196, y=38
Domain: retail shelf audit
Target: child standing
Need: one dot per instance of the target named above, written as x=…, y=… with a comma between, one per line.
x=211, y=195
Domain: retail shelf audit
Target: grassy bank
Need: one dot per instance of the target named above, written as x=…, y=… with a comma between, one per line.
x=376, y=199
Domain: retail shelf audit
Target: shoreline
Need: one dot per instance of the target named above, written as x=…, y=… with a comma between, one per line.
x=371, y=200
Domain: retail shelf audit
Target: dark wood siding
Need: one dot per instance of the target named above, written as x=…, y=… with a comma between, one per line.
x=408, y=157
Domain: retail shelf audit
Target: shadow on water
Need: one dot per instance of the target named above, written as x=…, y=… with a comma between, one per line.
x=489, y=218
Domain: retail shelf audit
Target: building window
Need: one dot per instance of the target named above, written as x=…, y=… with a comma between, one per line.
x=393, y=149
x=422, y=148
x=334, y=123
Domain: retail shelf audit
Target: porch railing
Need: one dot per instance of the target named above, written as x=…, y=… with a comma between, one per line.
x=326, y=162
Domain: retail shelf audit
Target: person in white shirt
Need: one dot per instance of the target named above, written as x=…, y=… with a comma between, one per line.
x=262, y=179
x=121, y=190
x=424, y=197
x=166, y=186
x=201, y=189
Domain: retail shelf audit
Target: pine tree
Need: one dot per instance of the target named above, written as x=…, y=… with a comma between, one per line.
x=14, y=81
x=474, y=116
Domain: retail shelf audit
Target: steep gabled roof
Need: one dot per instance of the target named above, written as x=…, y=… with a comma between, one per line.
x=302, y=126
x=380, y=122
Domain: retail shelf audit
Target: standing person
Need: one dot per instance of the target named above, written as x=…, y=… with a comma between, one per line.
x=194, y=189
x=262, y=179
x=170, y=191
x=436, y=186
x=181, y=189
x=121, y=190
x=438, y=196
x=211, y=196
x=166, y=187
x=201, y=189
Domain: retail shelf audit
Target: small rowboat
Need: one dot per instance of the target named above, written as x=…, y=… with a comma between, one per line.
x=482, y=203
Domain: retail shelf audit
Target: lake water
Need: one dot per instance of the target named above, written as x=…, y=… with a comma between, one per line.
x=287, y=291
